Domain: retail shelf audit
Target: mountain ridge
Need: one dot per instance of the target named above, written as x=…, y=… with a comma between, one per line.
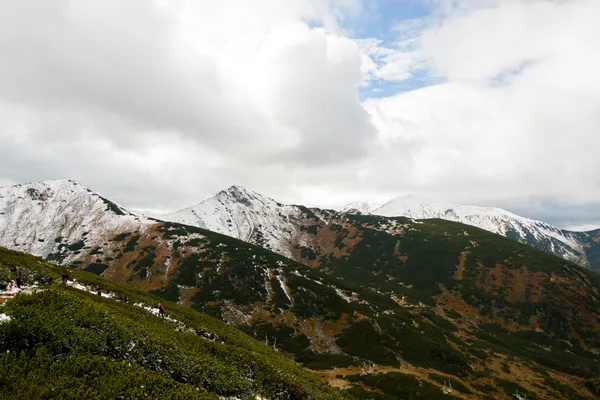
x=566, y=244
x=387, y=308
x=255, y=218
x=273, y=219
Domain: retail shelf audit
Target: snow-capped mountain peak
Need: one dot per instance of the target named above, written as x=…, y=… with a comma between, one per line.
x=57, y=189
x=359, y=207
x=241, y=195
x=496, y=220
x=44, y=218
x=241, y=213
x=40, y=217
x=414, y=206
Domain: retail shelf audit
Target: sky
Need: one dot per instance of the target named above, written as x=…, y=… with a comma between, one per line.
x=161, y=104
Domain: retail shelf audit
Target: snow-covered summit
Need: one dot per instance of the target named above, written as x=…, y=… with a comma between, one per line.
x=359, y=207
x=418, y=207
x=45, y=218
x=39, y=217
x=239, y=194
x=496, y=220
x=243, y=214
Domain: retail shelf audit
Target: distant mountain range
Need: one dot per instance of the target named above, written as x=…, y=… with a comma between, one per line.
x=582, y=248
x=383, y=307
x=257, y=219
x=27, y=213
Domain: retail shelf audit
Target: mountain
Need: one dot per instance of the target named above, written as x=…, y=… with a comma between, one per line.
x=573, y=246
x=63, y=340
x=249, y=216
x=383, y=307
x=399, y=307
x=359, y=208
x=64, y=210
x=58, y=219
x=257, y=219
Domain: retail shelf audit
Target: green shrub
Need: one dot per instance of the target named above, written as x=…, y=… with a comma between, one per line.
x=76, y=246
x=396, y=386
x=86, y=346
x=5, y=276
x=96, y=268
x=131, y=244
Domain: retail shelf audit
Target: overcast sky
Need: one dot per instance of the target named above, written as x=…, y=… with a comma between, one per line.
x=160, y=104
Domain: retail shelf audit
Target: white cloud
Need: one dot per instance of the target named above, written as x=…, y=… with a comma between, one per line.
x=214, y=72
x=479, y=139
x=251, y=83
x=395, y=62
x=478, y=43
x=159, y=104
x=583, y=228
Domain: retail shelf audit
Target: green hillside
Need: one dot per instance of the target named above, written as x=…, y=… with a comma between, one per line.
x=384, y=308
x=387, y=308
x=64, y=342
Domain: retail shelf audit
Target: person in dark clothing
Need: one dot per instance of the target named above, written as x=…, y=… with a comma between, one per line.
x=64, y=276
x=99, y=291
x=125, y=298
x=19, y=276
x=161, y=310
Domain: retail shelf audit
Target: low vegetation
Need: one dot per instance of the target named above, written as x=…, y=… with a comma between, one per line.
x=64, y=341
x=385, y=308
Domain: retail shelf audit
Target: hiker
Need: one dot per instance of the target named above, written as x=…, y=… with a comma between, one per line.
x=161, y=310
x=19, y=276
x=125, y=298
x=64, y=276
x=99, y=291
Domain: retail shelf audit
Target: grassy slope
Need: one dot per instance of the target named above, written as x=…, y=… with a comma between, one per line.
x=515, y=318
x=512, y=300
x=79, y=345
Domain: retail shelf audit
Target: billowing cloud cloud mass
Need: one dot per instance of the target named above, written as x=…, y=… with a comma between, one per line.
x=158, y=104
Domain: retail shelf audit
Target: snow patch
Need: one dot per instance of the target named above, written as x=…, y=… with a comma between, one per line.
x=285, y=288
x=343, y=295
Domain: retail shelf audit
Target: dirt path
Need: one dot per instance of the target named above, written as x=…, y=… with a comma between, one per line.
x=458, y=275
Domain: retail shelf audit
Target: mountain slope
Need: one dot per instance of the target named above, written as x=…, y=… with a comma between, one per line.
x=59, y=218
x=404, y=300
x=569, y=245
x=387, y=308
x=390, y=305
x=60, y=340
x=257, y=219
x=245, y=215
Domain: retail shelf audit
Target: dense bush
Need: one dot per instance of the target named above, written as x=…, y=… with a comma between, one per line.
x=397, y=386
x=5, y=276
x=62, y=340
